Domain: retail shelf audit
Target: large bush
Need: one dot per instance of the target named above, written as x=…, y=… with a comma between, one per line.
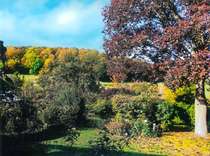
x=185, y=114
x=138, y=110
x=68, y=87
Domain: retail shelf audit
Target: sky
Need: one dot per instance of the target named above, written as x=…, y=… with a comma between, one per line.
x=52, y=23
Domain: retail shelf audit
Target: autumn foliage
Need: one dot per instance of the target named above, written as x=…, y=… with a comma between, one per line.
x=174, y=34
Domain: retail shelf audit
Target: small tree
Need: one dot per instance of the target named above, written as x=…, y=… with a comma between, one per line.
x=172, y=33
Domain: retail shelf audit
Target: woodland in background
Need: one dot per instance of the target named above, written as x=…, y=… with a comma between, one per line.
x=36, y=60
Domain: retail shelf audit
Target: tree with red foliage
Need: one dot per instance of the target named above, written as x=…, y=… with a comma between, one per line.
x=171, y=34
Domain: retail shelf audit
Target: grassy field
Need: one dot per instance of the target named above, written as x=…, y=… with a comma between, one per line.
x=174, y=143
x=60, y=147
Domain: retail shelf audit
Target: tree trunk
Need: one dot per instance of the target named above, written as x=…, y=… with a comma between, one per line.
x=200, y=110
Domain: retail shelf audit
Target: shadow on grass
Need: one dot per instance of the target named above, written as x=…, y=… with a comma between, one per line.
x=60, y=150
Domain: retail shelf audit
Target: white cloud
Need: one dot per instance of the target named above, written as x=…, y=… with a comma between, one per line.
x=73, y=19
x=65, y=18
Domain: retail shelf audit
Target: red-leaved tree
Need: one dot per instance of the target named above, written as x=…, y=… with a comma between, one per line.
x=171, y=34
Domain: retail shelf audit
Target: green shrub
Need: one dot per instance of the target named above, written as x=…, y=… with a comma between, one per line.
x=120, y=105
x=185, y=98
x=1, y=65
x=191, y=112
x=134, y=107
x=165, y=114
x=186, y=113
x=102, y=108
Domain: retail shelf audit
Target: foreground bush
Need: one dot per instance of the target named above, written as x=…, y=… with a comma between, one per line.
x=67, y=89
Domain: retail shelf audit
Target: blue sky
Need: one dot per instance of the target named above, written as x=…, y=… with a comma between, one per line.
x=53, y=23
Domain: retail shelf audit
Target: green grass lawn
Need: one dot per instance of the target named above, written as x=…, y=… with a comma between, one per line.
x=60, y=147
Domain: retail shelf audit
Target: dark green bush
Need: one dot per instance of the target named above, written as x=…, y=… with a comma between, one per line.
x=18, y=116
x=185, y=113
x=165, y=114
x=185, y=98
x=102, y=108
